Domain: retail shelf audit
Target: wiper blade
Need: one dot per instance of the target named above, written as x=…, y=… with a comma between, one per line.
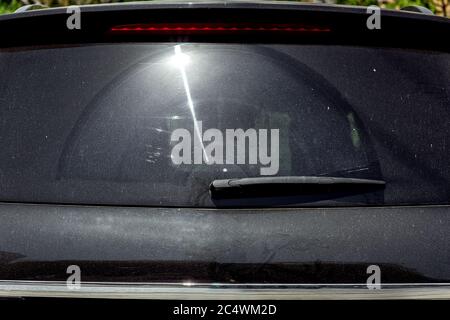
x=291, y=185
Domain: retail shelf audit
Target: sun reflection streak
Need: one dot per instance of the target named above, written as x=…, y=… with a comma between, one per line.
x=181, y=60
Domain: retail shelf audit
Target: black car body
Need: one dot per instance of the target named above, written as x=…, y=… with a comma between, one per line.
x=85, y=178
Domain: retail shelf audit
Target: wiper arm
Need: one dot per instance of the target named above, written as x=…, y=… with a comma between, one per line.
x=291, y=185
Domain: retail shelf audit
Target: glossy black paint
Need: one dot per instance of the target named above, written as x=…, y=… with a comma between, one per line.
x=134, y=244
x=410, y=244
x=347, y=24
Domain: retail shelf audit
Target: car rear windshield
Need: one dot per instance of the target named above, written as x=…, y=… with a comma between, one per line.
x=155, y=124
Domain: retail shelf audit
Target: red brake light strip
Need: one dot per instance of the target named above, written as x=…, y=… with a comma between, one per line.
x=216, y=28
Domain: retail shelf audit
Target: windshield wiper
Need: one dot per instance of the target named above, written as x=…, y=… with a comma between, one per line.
x=292, y=185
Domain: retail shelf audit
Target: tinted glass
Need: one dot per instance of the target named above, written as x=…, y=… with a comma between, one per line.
x=155, y=124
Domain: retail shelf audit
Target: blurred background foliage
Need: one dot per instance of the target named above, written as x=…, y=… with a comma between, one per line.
x=439, y=7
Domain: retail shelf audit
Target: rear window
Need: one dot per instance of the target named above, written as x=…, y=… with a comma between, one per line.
x=155, y=124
